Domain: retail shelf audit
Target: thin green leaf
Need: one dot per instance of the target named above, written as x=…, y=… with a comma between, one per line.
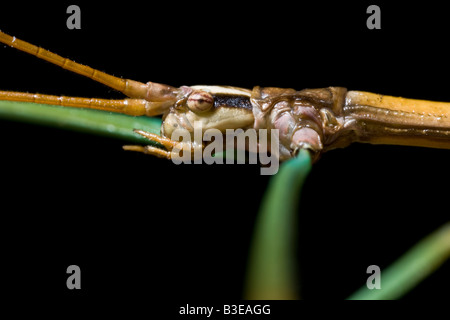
x=410, y=269
x=83, y=120
x=272, y=269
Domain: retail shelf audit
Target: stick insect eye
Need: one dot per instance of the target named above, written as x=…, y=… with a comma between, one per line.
x=200, y=101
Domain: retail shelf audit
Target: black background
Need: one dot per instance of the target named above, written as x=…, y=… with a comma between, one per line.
x=139, y=226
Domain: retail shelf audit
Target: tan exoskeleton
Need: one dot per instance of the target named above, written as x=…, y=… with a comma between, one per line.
x=314, y=119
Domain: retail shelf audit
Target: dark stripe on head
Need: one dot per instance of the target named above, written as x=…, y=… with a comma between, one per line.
x=231, y=101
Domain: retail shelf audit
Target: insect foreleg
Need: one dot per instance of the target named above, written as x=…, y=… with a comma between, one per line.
x=135, y=107
x=134, y=89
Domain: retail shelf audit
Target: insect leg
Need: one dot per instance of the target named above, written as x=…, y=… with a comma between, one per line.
x=166, y=142
x=149, y=150
x=135, y=107
x=134, y=89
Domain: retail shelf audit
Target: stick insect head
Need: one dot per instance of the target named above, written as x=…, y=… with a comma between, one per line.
x=215, y=107
x=161, y=98
x=186, y=109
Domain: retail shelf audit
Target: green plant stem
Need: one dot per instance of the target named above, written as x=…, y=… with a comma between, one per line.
x=83, y=120
x=272, y=267
x=410, y=269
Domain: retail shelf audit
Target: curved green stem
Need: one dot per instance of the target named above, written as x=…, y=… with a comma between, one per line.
x=84, y=120
x=272, y=268
x=410, y=269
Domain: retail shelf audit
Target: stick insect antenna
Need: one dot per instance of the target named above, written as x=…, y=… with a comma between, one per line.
x=133, y=89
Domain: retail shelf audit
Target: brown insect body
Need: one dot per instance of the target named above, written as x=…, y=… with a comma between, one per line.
x=314, y=119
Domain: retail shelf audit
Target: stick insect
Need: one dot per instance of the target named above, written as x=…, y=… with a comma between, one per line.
x=314, y=119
